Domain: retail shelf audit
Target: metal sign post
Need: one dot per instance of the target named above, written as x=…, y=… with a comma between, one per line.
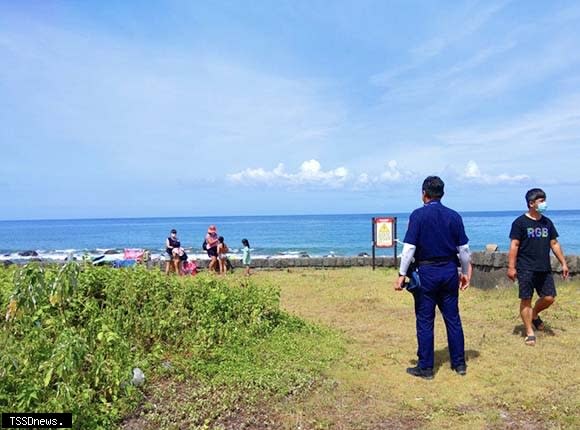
x=384, y=231
x=373, y=241
x=395, y=243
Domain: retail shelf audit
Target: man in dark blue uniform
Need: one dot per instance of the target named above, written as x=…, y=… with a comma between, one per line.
x=437, y=243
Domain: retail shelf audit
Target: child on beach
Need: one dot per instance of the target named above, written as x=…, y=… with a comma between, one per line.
x=222, y=250
x=532, y=236
x=246, y=258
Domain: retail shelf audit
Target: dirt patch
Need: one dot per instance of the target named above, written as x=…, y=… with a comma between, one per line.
x=249, y=417
x=519, y=420
x=333, y=405
x=169, y=403
x=398, y=423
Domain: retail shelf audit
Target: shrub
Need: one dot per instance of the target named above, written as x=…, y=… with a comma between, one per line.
x=72, y=334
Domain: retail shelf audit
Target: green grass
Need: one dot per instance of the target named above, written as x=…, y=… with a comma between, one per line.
x=508, y=384
x=301, y=348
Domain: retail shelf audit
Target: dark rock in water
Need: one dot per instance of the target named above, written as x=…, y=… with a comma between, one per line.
x=304, y=255
x=111, y=252
x=102, y=263
x=28, y=254
x=363, y=254
x=7, y=263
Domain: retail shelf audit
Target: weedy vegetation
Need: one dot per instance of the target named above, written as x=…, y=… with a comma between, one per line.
x=211, y=350
x=294, y=349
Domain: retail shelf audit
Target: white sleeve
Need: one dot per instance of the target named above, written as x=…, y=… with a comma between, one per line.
x=407, y=255
x=464, y=258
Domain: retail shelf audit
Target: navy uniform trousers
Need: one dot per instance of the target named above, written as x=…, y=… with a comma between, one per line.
x=439, y=287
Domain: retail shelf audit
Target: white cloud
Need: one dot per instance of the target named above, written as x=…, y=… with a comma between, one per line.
x=310, y=173
x=392, y=174
x=395, y=174
x=472, y=170
x=363, y=179
x=472, y=173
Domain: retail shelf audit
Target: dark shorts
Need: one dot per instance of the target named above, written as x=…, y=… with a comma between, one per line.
x=542, y=282
x=212, y=252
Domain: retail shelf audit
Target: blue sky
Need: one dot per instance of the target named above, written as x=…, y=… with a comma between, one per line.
x=180, y=108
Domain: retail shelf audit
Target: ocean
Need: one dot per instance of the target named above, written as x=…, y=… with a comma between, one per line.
x=313, y=235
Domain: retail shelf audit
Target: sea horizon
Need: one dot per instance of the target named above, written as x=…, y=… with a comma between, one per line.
x=469, y=212
x=314, y=235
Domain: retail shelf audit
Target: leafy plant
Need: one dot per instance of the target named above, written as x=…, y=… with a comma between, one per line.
x=73, y=333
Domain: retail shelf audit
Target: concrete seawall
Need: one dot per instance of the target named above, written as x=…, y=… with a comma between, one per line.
x=489, y=268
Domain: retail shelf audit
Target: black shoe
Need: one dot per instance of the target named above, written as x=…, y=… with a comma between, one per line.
x=460, y=370
x=426, y=373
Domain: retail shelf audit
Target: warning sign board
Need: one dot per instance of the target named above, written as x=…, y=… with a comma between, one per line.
x=384, y=232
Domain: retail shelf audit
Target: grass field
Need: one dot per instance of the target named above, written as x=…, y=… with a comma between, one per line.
x=508, y=385
x=299, y=349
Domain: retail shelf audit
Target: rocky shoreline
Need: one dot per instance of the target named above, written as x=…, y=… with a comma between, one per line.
x=489, y=268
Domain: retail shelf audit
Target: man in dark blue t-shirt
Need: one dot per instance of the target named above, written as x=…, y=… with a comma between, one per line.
x=532, y=236
x=437, y=242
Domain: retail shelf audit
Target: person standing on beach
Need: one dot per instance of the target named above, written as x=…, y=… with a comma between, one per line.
x=172, y=246
x=212, y=241
x=437, y=241
x=246, y=257
x=222, y=250
x=532, y=236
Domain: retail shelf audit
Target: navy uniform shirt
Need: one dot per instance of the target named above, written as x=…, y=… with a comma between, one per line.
x=436, y=231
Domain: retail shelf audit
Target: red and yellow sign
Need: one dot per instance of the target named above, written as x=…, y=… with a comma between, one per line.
x=384, y=232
